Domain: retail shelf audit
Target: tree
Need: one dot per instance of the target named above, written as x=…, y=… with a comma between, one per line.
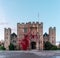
x=49, y=46
x=11, y=47
x=2, y=48
x=54, y=47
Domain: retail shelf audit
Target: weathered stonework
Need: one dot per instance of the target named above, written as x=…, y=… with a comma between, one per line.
x=35, y=35
x=7, y=33
x=34, y=29
x=52, y=35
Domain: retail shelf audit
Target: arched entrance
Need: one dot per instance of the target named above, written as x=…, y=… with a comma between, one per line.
x=33, y=45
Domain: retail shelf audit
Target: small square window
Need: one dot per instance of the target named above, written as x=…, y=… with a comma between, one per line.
x=25, y=30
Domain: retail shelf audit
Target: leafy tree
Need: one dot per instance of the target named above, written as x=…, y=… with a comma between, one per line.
x=2, y=48
x=47, y=45
x=54, y=47
x=11, y=47
x=58, y=48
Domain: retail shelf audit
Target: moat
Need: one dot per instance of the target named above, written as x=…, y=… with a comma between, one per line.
x=29, y=54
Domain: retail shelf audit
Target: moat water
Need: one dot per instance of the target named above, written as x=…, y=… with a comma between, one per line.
x=23, y=55
x=4, y=56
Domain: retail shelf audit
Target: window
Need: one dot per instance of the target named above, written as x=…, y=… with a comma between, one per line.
x=25, y=30
x=14, y=41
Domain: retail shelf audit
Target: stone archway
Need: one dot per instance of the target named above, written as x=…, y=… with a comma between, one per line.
x=33, y=45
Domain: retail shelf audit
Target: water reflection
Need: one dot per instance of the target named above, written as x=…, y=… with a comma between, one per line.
x=57, y=56
x=27, y=56
x=51, y=57
x=24, y=55
x=21, y=55
x=2, y=56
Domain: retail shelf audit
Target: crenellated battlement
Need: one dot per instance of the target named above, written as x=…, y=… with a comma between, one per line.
x=52, y=35
x=34, y=30
x=30, y=23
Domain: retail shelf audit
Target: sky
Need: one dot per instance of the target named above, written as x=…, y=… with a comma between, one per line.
x=14, y=11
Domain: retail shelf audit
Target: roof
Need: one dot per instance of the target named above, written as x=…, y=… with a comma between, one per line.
x=45, y=34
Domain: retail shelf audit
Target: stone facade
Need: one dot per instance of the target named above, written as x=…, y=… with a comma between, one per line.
x=31, y=29
x=34, y=32
x=52, y=35
x=7, y=33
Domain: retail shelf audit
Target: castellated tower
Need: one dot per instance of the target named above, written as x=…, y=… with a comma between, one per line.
x=52, y=35
x=7, y=33
x=35, y=33
x=40, y=28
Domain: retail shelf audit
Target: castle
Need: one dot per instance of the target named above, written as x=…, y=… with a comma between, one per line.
x=30, y=35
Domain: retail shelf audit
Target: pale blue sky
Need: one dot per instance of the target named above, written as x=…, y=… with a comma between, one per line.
x=13, y=11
